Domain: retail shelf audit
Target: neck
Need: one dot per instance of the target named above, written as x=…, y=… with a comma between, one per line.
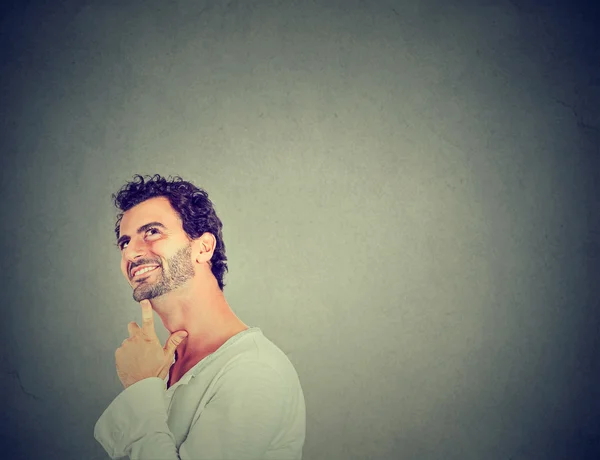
x=199, y=307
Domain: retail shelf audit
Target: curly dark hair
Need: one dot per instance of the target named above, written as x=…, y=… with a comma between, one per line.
x=191, y=203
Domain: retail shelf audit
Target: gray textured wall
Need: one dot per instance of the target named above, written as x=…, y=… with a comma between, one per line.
x=408, y=192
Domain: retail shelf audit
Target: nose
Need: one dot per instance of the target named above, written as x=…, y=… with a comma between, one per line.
x=134, y=250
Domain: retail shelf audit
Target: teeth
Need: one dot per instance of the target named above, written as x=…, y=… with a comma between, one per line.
x=144, y=270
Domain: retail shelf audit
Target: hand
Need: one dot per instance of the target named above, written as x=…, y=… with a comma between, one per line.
x=141, y=355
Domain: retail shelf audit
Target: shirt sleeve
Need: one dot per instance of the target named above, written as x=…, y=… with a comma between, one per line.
x=137, y=414
x=239, y=422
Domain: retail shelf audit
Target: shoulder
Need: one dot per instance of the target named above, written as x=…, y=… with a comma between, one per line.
x=259, y=359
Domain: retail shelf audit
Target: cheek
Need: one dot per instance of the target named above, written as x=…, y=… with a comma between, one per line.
x=159, y=251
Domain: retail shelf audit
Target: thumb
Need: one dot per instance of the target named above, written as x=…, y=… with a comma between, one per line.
x=174, y=341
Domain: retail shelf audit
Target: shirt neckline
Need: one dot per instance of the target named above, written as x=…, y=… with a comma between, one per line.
x=207, y=359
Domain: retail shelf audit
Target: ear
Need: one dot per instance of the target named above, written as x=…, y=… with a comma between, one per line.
x=205, y=247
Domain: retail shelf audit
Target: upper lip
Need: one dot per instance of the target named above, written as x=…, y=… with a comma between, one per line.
x=134, y=270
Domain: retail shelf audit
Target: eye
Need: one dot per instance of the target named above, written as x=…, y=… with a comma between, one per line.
x=151, y=230
x=123, y=245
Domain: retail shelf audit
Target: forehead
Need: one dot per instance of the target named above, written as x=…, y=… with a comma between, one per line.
x=157, y=209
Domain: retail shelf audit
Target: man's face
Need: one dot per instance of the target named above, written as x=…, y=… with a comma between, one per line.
x=156, y=254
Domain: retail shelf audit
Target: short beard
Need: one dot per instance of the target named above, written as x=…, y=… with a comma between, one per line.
x=181, y=270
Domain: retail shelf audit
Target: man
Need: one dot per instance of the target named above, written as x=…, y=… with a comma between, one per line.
x=219, y=389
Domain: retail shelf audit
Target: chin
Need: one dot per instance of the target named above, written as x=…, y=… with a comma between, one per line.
x=149, y=294
x=138, y=296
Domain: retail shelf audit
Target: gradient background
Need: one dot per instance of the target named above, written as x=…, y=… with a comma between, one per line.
x=409, y=192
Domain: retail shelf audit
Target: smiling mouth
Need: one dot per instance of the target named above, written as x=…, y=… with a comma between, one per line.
x=143, y=274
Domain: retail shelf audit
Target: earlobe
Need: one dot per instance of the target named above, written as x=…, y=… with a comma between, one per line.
x=199, y=260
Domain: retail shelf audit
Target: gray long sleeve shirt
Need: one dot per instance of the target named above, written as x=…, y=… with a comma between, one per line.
x=244, y=401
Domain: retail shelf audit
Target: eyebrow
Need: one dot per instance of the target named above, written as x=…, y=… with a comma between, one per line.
x=142, y=229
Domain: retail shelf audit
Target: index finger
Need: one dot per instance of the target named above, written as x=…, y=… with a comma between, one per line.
x=147, y=318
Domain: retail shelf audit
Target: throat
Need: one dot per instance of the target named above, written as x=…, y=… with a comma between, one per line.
x=174, y=376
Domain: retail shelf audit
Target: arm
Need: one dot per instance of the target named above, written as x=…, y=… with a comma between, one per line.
x=137, y=413
x=240, y=420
